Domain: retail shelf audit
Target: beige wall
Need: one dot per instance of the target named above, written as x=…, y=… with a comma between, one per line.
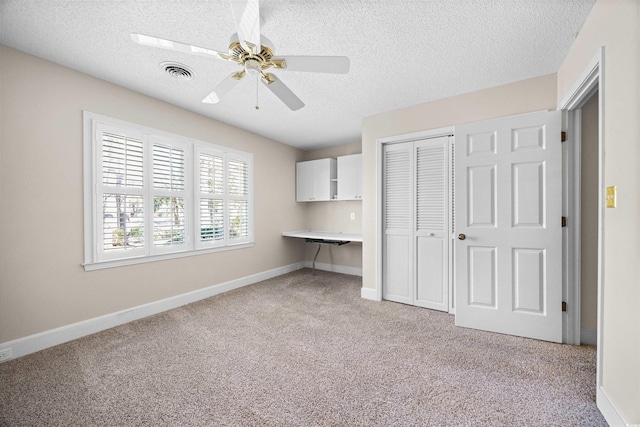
x=335, y=216
x=42, y=282
x=589, y=216
x=515, y=98
x=615, y=24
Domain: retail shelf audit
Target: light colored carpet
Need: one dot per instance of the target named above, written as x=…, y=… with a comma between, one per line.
x=300, y=350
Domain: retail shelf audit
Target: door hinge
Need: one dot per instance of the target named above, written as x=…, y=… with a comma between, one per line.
x=564, y=306
x=564, y=221
x=563, y=136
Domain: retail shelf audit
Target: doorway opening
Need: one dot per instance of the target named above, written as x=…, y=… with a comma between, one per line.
x=589, y=160
x=584, y=191
x=579, y=105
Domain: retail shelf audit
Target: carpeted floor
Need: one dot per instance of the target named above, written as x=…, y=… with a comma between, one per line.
x=300, y=350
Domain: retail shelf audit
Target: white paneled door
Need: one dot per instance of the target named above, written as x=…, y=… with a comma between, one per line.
x=508, y=226
x=416, y=199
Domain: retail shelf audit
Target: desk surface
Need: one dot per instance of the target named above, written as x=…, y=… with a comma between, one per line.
x=324, y=235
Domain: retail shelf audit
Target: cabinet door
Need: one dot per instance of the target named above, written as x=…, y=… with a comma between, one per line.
x=304, y=181
x=350, y=177
x=315, y=180
x=324, y=170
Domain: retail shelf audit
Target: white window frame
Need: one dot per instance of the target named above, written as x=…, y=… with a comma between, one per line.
x=94, y=255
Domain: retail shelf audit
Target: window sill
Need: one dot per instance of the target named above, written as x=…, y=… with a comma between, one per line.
x=91, y=266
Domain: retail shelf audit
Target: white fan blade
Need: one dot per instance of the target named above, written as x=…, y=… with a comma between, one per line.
x=143, y=40
x=223, y=88
x=284, y=93
x=316, y=64
x=246, y=13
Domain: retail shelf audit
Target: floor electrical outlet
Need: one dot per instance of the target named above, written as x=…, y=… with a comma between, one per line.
x=5, y=354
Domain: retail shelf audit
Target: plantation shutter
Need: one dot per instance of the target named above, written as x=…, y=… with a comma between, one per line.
x=122, y=161
x=168, y=167
x=211, y=198
x=238, y=199
x=120, y=192
x=169, y=195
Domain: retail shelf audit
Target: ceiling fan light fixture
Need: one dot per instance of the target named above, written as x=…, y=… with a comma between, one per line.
x=252, y=67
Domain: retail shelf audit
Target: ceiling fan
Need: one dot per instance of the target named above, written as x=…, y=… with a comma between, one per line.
x=255, y=54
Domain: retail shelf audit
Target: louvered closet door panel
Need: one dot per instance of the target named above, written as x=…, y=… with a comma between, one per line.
x=431, y=186
x=398, y=220
x=432, y=201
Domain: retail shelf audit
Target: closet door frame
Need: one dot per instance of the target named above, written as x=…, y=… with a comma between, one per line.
x=380, y=144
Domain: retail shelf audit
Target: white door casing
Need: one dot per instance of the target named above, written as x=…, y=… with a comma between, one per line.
x=509, y=208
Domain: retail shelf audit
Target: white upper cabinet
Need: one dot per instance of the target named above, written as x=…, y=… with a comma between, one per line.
x=350, y=177
x=316, y=180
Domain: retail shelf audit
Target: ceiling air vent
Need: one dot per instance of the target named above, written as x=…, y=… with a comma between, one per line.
x=177, y=71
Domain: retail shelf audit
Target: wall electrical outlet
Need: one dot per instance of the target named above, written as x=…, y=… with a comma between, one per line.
x=353, y=215
x=5, y=354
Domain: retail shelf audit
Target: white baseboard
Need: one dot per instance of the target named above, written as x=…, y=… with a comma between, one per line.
x=588, y=336
x=368, y=293
x=53, y=337
x=609, y=410
x=343, y=269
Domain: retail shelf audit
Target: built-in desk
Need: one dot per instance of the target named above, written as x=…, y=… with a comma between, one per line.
x=324, y=238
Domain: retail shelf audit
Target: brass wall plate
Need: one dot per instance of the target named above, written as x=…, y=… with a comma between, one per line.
x=611, y=197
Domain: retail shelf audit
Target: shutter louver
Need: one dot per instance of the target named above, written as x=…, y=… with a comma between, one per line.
x=211, y=220
x=168, y=221
x=238, y=178
x=123, y=222
x=211, y=213
x=238, y=189
x=211, y=174
x=168, y=210
x=238, y=219
x=168, y=168
x=397, y=189
x=431, y=188
x=122, y=160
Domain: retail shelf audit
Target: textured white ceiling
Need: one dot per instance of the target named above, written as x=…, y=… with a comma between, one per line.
x=402, y=52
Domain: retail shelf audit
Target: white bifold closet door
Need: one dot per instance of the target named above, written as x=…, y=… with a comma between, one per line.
x=416, y=210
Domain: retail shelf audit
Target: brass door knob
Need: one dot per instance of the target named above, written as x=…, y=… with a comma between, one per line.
x=461, y=237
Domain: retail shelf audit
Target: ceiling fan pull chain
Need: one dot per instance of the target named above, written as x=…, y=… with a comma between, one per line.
x=257, y=106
